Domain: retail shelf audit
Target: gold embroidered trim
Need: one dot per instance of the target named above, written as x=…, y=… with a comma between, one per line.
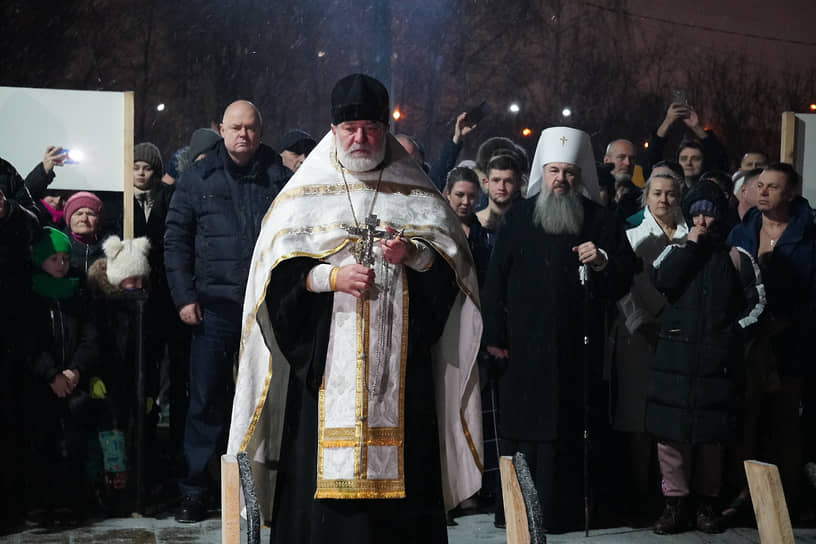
x=390, y=435
x=340, y=443
x=321, y=402
x=338, y=433
x=256, y=415
x=347, y=437
x=389, y=187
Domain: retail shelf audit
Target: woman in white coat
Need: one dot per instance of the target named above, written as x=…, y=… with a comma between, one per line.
x=636, y=328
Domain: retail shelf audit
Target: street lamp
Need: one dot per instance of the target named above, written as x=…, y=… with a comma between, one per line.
x=566, y=112
x=514, y=108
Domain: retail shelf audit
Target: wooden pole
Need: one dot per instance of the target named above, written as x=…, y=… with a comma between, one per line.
x=788, y=144
x=127, y=194
x=230, y=501
x=515, y=513
x=768, y=499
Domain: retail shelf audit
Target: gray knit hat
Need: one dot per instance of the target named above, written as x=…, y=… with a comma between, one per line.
x=150, y=154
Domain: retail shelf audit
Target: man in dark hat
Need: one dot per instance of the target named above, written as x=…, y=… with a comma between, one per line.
x=295, y=147
x=357, y=394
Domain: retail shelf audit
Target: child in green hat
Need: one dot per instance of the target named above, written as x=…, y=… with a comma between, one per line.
x=63, y=353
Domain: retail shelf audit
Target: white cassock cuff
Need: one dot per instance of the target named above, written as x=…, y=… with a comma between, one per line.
x=422, y=258
x=599, y=267
x=317, y=281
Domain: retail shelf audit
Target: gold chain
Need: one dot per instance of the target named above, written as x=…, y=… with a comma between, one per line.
x=348, y=194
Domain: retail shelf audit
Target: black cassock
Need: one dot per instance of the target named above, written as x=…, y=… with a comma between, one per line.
x=534, y=306
x=300, y=320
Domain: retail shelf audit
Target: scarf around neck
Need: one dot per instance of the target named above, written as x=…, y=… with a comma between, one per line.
x=47, y=285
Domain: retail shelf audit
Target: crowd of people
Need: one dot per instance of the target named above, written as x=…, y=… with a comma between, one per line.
x=402, y=324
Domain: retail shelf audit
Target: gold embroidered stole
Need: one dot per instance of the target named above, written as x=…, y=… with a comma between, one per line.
x=361, y=429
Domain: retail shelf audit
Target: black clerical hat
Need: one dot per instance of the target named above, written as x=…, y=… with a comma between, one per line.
x=298, y=141
x=359, y=97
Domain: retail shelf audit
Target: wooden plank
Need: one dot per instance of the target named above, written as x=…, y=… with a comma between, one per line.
x=127, y=194
x=230, y=501
x=768, y=499
x=515, y=513
x=788, y=144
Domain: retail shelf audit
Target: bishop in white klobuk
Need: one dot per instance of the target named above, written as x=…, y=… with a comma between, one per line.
x=534, y=314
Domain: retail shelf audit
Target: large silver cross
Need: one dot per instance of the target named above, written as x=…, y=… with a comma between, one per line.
x=364, y=246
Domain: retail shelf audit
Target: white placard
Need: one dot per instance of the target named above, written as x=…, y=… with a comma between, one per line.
x=805, y=154
x=89, y=123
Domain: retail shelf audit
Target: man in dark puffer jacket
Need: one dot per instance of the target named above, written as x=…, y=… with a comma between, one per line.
x=214, y=218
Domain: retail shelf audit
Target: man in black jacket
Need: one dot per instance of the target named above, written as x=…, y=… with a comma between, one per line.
x=214, y=218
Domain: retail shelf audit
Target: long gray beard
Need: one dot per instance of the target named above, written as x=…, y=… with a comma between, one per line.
x=562, y=214
x=361, y=164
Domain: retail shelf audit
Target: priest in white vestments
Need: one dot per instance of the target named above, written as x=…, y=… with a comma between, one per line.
x=357, y=396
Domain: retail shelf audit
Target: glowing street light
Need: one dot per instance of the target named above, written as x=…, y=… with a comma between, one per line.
x=514, y=108
x=160, y=107
x=566, y=112
x=813, y=107
x=526, y=132
x=646, y=145
x=396, y=115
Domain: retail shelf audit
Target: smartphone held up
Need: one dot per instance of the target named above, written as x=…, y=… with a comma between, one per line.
x=476, y=114
x=71, y=156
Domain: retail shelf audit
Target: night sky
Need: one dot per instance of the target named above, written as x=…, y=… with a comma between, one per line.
x=614, y=62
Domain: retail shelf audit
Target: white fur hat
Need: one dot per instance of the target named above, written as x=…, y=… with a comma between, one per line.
x=126, y=259
x=565, y=144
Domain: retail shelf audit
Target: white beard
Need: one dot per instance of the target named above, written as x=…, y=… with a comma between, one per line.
x=559, y=214
x=359, y=164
